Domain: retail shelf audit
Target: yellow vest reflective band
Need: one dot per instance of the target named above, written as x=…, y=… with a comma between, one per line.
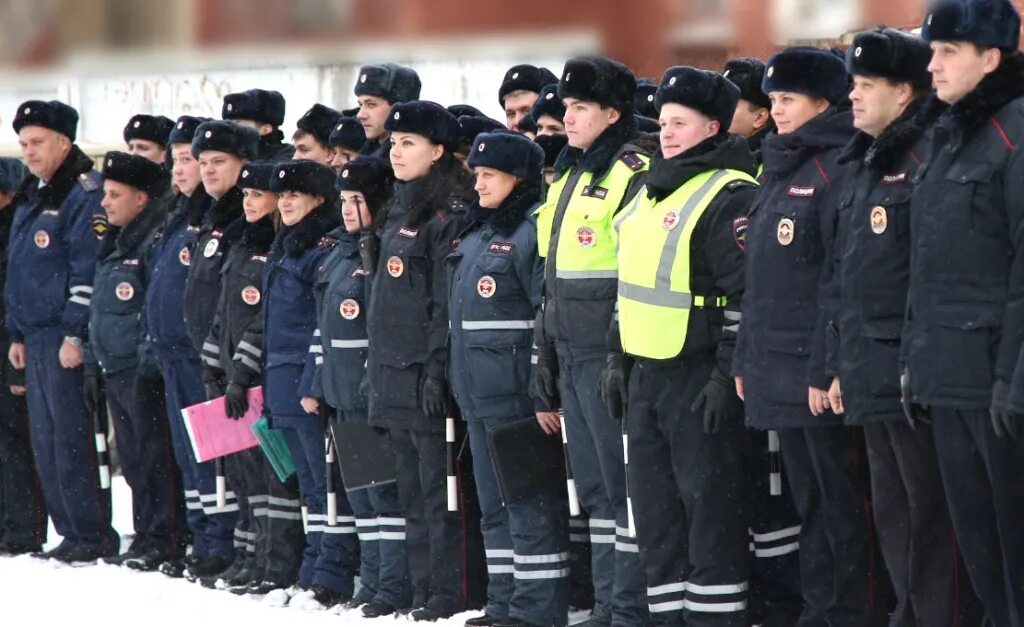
x=654, y=265
x=586, y=241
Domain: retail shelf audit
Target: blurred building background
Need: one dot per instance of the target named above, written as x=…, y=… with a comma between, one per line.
x=114, y=58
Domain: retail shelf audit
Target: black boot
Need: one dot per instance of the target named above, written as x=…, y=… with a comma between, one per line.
x=376, y=609
x=207, y=566
x=483, y=621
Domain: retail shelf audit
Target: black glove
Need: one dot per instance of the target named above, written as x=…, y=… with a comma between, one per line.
x=1004, y=420
x=614, y=380
x=236, y=401
x=369, y=250
x=214, y=388
x=719, y=402
x=914, y=413
x=546, y=378
x=436, y=402
x=92, y=390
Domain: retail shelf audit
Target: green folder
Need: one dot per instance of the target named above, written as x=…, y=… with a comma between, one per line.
x=275, y=448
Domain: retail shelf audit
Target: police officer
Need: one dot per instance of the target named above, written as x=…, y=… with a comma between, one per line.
x=135, y=195
x=308, y=213
x=146, y=136
x=408, y=332
x=365, y=184
x=495, y=287
x=378, y=88
x=273, y=539
x=471, y=126
x=643, y=101
x=780, y=359
x=753, y=118
x=22, y=511
x=962, y=337
x=312, y=135
x=57, y=224
x=519, y=89
x=347, y=139
x=263, y=110
x=680, y=266
x=548, y=111
x=552, y=146
x=596, y=175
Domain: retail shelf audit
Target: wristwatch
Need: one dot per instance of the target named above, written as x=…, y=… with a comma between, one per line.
x=74, y=341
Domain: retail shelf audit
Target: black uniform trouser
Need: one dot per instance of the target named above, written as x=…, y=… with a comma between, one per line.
x=834, y=547
x=22, y=510
x=435, y=543
x=143, y=439
x=983, y=477
x=914, y=529
x=688, y=503
x=244, y=478
x=277, y=522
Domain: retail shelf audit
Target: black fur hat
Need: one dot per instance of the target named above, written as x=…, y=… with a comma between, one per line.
x=548, y=103
x=598, y=79
x=11, y=173
x=303, y=175
x=804, y=70
x=54, y=115
x=473, y=125
x=994, y=23
x=526, y=78
x=258, y=105
x=154, y=128
x=369, y=175
x=229, y=137
x=256, y=175
x=139, y=172
x=527, y=124
x=708, y=92
x=185, y=129
x=747, y=73
x=643, y=102
x=507, y=152
x=552, y=145
x=459, y=110
x=426, y=118
x=319, y=121
x=892, y=54
x=390, y=81
x=348, y=133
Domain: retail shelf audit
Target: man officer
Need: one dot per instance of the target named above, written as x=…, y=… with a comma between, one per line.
x=378, y=88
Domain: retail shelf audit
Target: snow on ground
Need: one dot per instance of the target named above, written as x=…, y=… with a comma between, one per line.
x=31, y=589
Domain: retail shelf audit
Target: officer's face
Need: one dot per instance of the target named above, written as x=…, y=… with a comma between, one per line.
x=517, y=105
x=354, y=208
x=43, y=150
x=494, y=186
x=340, y=156
x=791, y=110
x=309, y=147
x=295, y=206
x=748, y=118
x=412, y=155
x=257, y=204
x=958, y=67
x=185, y=169
x=683, y=128
x=548, y=125
x=373, y=112
x=877, y=103
x=123, y=203
x=220, y=171
x=585, y=121
x=145, y=148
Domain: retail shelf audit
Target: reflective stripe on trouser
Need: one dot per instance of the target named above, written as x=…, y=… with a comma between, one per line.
x=382, y=572
x=526, y=544
x=244, y=478
x=64, y=446
x=595, y=451
x=688, y=502
x=212, y=533
x=581, y=585
x=330, y=556
x=280, y=538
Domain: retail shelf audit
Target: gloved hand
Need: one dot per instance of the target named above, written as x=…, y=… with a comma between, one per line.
x=546, y=377
x=614, y=381
x=236, y=401
x=436, y=402
x=718, y=401
x=1004, y=420
x=915, y=413
x=214, y=388
x=92, y=390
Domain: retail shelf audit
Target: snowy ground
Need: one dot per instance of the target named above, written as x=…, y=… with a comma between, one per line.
x=57, y=594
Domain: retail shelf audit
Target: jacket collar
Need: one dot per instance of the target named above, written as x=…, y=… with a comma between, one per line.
x=130, y=237
x=785, y=153
x=599, y=157
x=723, y=151
x=994, y=91
x=512, y=212
x=258, y=236
x=60, y=184
x=297, y=239
x=225, y=210
x=883, y=154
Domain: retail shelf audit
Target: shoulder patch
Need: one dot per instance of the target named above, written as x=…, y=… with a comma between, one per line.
x=86, y=182
x=632, y=161
x=99, y=225
x=739, y=232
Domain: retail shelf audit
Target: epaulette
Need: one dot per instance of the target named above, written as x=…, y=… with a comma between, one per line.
x=326, y=242
x=732, y=186
x=87, y=183
x=632, y=161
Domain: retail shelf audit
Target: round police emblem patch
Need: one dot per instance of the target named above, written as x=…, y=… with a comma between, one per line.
x=185, y=256
x=42, y=239
x=670, y=220
x=784, y=232
x=124, y=291
x=250, y=295
x=585, y=236
x=486, y=286
x=396, y=266
x=879, y=220
x=211, y=248
x=349, y=309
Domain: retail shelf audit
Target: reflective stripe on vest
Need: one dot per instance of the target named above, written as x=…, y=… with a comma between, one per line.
x=654, y=265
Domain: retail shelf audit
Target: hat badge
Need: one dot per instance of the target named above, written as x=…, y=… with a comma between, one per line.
x=397, y=115
x=137, y=124
x=725, y=74
x=339, y=127
x=28, y=110
x=110, y=162
x=549, y=96
x=208, y=134
x=362, y=79
x=515, y=75
x=481, y=147
x=672, y=81
x=858, y=51
x=344, y=174
x=231, y=107
x=280, y=174
x=245, y=174
x=650, y=98
x=568, y=75
x=929, y=20
x=771, y=70
x=181, y=125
